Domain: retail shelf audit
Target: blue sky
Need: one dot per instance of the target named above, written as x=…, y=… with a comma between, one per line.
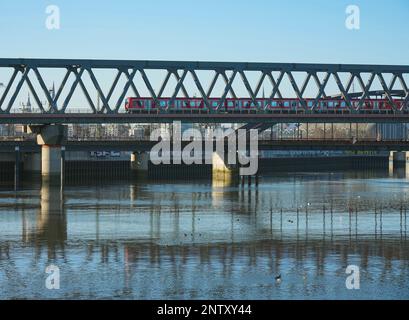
x=257, y=30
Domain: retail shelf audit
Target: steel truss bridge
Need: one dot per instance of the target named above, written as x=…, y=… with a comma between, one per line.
x=56, y=107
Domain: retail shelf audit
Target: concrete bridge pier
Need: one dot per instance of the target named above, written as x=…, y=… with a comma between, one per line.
x=140, y=162
x=221, y=170
x=51, y=138
x=399, y=164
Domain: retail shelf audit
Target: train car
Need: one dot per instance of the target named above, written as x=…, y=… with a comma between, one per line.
x=140, y=105
x=247, y=105
x=281, y=106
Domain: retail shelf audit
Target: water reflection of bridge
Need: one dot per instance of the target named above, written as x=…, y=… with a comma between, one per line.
x=154, y=224
x=171, y=245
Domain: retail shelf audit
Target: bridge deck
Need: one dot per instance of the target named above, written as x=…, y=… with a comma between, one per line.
x=145, y=145
x=90, y=118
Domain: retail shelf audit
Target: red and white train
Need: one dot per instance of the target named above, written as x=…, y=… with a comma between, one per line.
x=246, y=105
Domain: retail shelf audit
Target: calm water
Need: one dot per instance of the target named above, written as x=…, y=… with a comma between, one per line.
x=202, y=240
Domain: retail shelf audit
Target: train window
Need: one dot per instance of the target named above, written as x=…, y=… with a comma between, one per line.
x=343, y=104
x=286, y=103
x=192, y=103
x=309, y=104
x=323, y=104
x=230, y=104
x=214, y=104
x=238, y=104
x=162, y=103
x=294, y=104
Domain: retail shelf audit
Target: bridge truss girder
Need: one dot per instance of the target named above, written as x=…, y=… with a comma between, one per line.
x=229, y=72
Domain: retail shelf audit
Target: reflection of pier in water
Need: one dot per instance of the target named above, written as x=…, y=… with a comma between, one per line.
x=51, y=221
x=170, y=234
x=248, y=216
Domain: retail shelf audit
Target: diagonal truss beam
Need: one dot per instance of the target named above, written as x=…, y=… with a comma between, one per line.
x=200, y=88
x=296, y=90
x=228, y=83
x=405, y=103
x=305, y=84
x=248, y=87
x=344, y=92
x=62, y=86
x=101, y=95
x=77, y=81
x=23, y=79
x=276, y=85
x=9, y=84
x=365, y=88
x=50, y=100
x=164, y=83
x=34, y=93
x=128, y=84
x=260, y=83
x=227, y=89
x=387, y=91
x=182, y=86
x=321, y=87
x=178, y=87
x=148, y=84
x=213, y=83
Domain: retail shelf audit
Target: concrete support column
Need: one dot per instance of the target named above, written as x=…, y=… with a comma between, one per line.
x=51, y=138
x=221, y=170
x=50, y=160
x=399, y=157
x=140, y=162
x=399, y=164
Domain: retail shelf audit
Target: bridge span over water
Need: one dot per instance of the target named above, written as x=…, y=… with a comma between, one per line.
x=257, y=95
x=202, y=91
